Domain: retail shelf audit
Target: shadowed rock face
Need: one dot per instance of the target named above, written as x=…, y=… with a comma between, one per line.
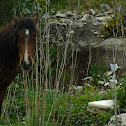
x=88, y=36
x=105, y=52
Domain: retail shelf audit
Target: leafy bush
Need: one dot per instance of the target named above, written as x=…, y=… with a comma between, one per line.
x=115, y=26
x=97, y=72
x=73, y=109
x=70, y=109
x=121, y=94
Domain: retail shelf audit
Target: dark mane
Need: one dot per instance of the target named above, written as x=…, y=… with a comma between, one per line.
x=26, y=23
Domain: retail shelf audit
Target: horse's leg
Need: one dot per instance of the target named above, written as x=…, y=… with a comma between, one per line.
x=2, y=94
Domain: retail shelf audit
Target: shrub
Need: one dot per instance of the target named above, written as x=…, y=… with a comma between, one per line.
x=76, y=105
x=121, y=94
x=97, y=72
x=115, y=26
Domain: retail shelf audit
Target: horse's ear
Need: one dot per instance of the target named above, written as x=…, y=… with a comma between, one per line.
x=35, y=19
x=15, y=19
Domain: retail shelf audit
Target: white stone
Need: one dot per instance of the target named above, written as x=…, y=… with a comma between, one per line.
x=101, y=82
x=113, y=81
x=109, y=73
x=107, y=84
x=71, y=32
x=78, y=87
x=103, y=19
x=103, y=104
x=114, y=67
x=87, y=78
x=84, y=18
x=121, y=120
x=92, y=12
x=96, y=33
x=60, y=15
x=69, y=13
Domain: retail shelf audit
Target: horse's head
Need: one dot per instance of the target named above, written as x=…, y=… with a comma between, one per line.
x=25, y=35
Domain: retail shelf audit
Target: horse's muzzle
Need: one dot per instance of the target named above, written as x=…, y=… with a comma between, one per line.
x=25, y=65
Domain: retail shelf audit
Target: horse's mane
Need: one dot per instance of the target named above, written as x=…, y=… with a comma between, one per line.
x=8, y=39
x=26, y=23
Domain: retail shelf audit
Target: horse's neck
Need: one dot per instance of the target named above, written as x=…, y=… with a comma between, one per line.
x=8, y=47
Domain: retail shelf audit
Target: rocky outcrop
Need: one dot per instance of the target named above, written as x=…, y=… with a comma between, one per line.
x=85, y=31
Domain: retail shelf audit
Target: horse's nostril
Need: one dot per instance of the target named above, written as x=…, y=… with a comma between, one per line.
x=30, y=62
x=22, y=62
x=26, y=65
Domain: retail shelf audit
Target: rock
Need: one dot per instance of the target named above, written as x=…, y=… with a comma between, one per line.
x=78, y=88
x=114, y=67
x=69, y=13
x=110, y=12
x=109, y=73
x=87, y=78
x=96, y=33
x=71, y=32
x=113, y=81
x=84, y=18
x=116, y=43
x=104, y=7
x=59, y=15
x=100, y=106
x=101, y=82
x=121, y=120
x=92, y=12
x=103, y=19
x=103, y=51
x=107, y=84
x=84, y=33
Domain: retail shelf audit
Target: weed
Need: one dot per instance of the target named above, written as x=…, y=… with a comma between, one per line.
x=97, y=72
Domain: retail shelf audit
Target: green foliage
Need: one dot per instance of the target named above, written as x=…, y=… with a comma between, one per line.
x=17, y=106
x=72, y=108
x=19, y=8
x=121, y=94
x=80, y=5
x=97, y=72
x=116, y=26
x=76, y=105
x=31, y=7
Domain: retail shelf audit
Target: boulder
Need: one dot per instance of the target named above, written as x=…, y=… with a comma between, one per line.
x=109, y=49
x=100, y=106
x=121, y=120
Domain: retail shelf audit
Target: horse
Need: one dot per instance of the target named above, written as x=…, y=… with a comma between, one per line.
x=17, y=45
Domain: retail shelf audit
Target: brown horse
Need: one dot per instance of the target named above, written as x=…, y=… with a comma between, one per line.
x=17, y=44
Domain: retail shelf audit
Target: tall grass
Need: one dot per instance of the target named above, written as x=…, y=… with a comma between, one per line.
x=31, y=100
x=40, y=86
